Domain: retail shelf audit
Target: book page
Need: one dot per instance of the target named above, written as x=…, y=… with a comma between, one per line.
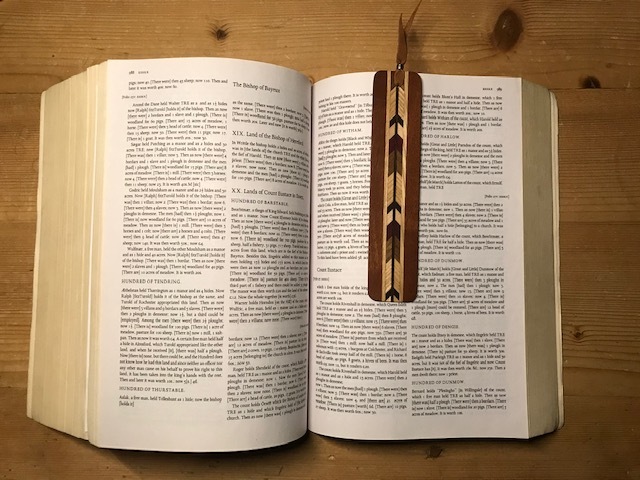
x=452, y=363
x=60, y=328
x=204, y=262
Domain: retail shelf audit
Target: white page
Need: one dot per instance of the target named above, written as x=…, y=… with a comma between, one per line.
x=204, y=270
x=444, y=365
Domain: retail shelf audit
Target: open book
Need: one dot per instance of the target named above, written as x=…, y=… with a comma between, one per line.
x=201, y=261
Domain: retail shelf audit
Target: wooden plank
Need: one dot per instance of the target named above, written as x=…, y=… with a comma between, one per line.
x=18, y=184
x=560, y=44
x=600, y=275
x=599, y=232
x=19, y=126
x=587, y=447
x=599, y=152
x=43, y=42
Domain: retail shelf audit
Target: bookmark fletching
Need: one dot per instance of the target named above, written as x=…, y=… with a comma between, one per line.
x=394, y=202
x=395, y=186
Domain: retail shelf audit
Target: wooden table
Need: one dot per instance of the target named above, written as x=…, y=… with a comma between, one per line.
x=587, y=51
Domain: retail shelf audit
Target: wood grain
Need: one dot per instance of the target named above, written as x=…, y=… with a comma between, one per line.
x=19, y=127
x=563, y=45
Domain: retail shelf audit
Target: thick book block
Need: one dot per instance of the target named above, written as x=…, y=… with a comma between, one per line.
x=201, y=261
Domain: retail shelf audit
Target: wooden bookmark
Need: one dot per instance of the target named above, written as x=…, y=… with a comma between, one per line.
x=395, y=181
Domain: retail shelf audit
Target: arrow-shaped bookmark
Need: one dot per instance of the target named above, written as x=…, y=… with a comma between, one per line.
x=395, y=180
